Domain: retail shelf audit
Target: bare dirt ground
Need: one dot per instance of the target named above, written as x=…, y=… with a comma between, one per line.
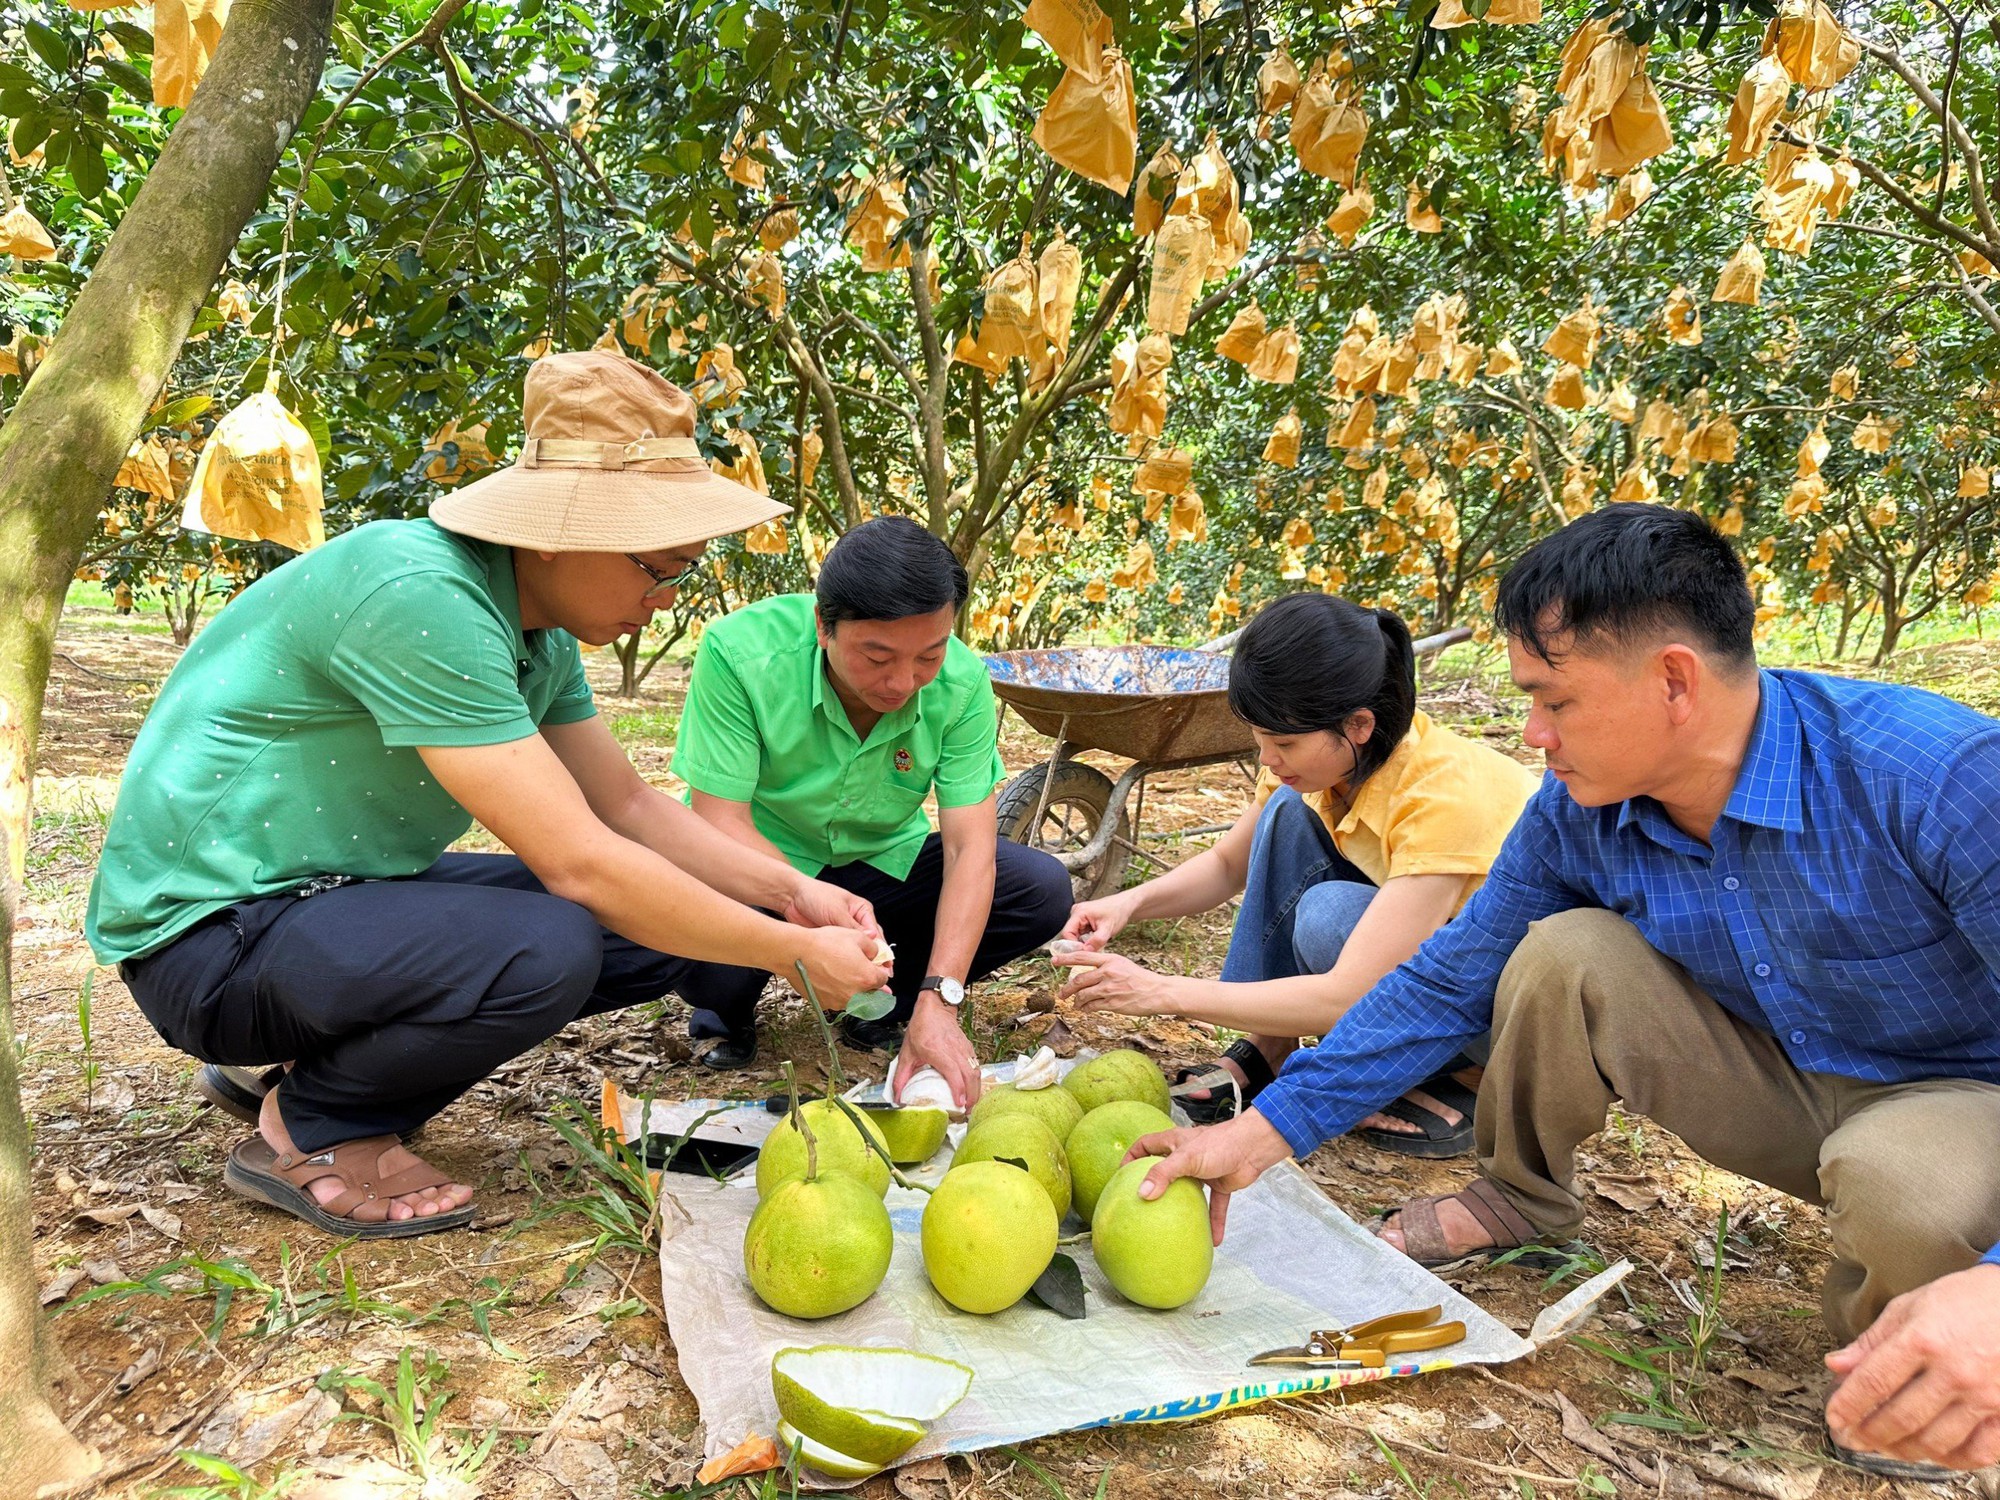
x=188, y=1320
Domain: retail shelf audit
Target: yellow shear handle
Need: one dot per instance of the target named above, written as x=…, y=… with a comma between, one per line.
x=1422, y=1317
x=1373, y=1349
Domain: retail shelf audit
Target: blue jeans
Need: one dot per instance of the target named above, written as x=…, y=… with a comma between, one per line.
x=1301, y=901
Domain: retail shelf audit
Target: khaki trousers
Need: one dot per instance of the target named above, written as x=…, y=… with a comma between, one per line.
x=1587, y=1012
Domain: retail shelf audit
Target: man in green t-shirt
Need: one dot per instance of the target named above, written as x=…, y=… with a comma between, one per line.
x=274, y=885
x=815, y=726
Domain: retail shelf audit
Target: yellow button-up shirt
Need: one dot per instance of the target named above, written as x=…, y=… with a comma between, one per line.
x=1440, y=805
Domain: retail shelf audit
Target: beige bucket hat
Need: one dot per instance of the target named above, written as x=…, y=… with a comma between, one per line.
x=609, y=464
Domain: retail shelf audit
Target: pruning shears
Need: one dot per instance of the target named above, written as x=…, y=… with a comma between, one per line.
x=1369, y=1345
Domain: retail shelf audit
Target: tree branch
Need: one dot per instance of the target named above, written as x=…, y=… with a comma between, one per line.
x=1941, y=111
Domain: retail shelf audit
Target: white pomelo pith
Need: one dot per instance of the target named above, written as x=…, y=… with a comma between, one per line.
x=870, y=1404
x=829, y=1461
x=839, y=1147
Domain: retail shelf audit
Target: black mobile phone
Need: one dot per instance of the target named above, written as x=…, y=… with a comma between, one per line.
x=695, y=1156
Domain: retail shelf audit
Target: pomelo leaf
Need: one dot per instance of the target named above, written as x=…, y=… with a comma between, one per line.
x=1060, y=1287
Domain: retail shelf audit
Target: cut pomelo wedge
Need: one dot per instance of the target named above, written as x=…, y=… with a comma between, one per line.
x=868, y=1405
x=829, y=1461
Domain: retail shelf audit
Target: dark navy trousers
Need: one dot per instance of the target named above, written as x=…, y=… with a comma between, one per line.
x=1031, y=901
x=393, y=997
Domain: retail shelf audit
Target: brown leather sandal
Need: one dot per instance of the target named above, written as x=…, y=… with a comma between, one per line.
x=1424, y=1241
x=283, y=1181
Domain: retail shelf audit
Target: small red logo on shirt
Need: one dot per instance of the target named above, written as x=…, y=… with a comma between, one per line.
x=903, y=761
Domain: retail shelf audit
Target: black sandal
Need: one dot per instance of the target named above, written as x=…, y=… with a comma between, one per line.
x=1224, y=1091
x=1439, y=1138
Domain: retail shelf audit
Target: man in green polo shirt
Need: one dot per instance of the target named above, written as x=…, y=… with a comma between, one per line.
x=274, y=885
x=814, y=728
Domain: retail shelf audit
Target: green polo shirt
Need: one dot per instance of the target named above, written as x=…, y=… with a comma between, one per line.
x=762, y=725
x=282, y=745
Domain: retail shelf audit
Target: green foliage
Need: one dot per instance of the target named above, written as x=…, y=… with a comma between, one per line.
x=300, y=1293
x=411, y=1411
x=560, y=172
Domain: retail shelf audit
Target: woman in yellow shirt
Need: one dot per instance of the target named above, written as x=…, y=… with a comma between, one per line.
x=1371, y=828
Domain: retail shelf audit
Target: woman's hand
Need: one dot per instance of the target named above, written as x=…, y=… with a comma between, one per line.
x=1110, y=981
x=1096, y=923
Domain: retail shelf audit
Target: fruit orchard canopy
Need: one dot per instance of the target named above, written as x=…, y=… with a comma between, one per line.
x=1292, y=1262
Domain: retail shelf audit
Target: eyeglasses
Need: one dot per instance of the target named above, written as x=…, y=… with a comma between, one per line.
x=663, y=581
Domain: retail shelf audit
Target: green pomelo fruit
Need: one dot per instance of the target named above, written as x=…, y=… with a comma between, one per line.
x=829, y=1461
x=1055, y=1107
x=841, y=1150
x=817, y=1248
x=1158, y=1254
x=1097, y=1146
x=871, y=1404
x=1117, y=1075
x=1025, y=1139
x=913, y=1134
x=989, y=1231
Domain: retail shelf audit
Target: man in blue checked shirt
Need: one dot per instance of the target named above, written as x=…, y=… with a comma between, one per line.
x=1763, y=909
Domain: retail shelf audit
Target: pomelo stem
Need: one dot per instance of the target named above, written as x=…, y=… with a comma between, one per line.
x=895, y=1173
x=798, y=1119
x=836, y=1076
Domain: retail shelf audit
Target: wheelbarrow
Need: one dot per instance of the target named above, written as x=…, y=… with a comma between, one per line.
x=1163, y=708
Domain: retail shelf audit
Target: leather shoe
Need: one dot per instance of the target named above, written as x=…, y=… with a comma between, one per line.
x=731, y=1052
x=883, y=1035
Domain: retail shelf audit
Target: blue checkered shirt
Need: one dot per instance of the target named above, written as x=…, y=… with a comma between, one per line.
x=1849, y=906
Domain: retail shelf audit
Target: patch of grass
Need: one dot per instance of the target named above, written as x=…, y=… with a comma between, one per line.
x=493, y=1296
x=63, y=841
x=412, y=1413
x=226, y=1482
x=1049, y=1480
x=84, y=993
x=1675, y=1370
x=648, y=725
x=326, y=1288
x=610, y=1187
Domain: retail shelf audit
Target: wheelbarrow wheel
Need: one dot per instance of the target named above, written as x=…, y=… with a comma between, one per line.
x=1079, y=800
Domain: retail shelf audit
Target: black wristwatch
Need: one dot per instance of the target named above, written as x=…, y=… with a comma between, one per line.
x=948, y=990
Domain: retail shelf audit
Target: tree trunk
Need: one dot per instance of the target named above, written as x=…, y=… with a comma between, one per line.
x=1891, y=600
x=58, y=453
x=627, y=650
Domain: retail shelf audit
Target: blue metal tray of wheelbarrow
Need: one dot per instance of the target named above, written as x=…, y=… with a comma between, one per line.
x=1158, y=704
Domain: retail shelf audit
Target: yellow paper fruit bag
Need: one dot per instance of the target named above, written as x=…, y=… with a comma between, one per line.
x=1277, y=358
x=1815, y=50
x=22, y=234
x=1077, y=31
x=1742, y=279
x=185, y=36
x=258, y=479
x=1181, y=252
x=1091, y=122
x=1282, y=447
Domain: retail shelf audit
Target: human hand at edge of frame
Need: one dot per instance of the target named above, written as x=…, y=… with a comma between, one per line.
x=935, y=1039
x=1110, y=981
x=1922, y=1383
x=816, y=903
x=1096, y=923
x=1227, y=1158
x=840, y=962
